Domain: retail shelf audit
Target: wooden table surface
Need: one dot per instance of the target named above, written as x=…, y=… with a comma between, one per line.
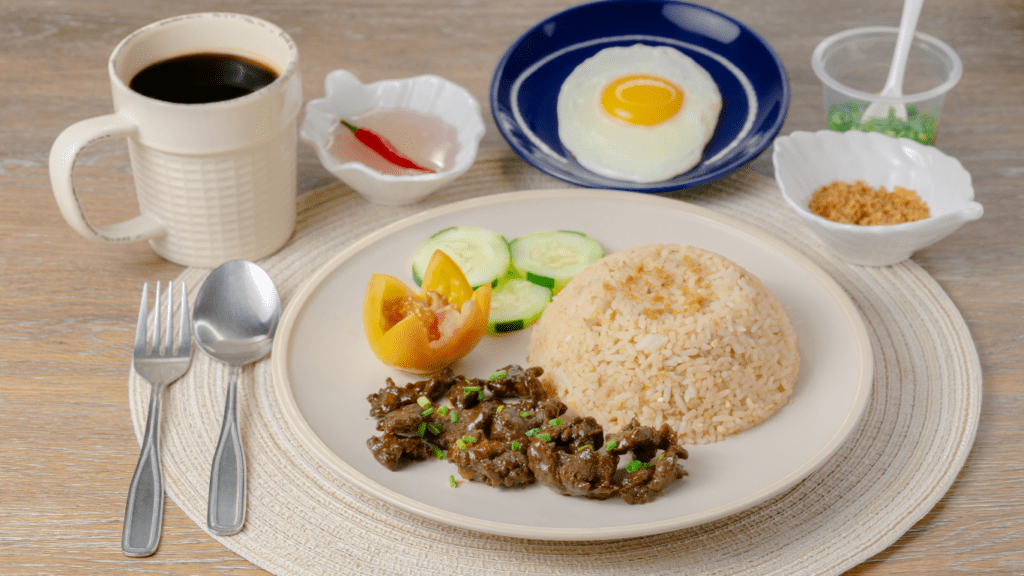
x=68, y=306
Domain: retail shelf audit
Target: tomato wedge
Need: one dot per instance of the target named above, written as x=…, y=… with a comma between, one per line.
x=425, y=332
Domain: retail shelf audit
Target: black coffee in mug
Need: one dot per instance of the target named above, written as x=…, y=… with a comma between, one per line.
x=202, y=78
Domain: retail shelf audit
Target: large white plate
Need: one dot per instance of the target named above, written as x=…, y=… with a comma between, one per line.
x=323, y=370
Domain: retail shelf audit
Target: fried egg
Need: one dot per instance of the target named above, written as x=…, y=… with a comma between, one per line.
x=638, y=113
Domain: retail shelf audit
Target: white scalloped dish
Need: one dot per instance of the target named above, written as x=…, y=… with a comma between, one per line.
x=346, y=97
x=806, y=161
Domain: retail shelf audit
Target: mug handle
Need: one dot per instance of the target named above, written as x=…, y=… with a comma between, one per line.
x=63, y=154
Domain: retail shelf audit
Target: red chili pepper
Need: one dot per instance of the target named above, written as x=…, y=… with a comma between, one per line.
x=381, y=146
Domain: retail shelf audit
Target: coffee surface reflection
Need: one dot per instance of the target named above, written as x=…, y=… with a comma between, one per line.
x=202, y=78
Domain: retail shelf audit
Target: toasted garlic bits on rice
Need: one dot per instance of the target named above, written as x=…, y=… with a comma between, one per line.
x=669, y=334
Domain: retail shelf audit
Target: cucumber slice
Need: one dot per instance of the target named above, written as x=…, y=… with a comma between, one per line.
x=482, y=255
x=516, y=304
x=552, y=258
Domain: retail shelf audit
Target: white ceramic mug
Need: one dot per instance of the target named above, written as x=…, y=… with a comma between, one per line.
x=215, y=181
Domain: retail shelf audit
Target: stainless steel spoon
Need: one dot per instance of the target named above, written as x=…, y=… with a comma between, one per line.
x=236, y=314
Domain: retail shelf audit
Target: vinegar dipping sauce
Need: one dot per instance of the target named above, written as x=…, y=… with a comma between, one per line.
x=423, y=138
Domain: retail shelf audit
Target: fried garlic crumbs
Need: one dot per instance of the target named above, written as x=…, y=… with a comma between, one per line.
x=861, y=204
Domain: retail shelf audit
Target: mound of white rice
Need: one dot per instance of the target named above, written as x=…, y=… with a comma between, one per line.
x=668, y=334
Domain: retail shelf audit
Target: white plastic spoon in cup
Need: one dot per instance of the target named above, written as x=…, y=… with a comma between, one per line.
x=897, y=69
x=236, y=314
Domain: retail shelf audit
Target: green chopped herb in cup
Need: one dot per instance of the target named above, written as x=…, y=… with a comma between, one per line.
x=919, y=126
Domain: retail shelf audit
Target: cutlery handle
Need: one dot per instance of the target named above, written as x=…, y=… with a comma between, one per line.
x=226, y=507
x=144, y=512
x=904, y=39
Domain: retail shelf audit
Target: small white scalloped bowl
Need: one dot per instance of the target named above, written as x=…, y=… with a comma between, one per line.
x=346, y=97
x=806, y=161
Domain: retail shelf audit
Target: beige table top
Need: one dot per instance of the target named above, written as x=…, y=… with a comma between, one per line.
x=67, y=306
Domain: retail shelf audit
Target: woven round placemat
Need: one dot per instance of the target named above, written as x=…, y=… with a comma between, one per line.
x=304, y=518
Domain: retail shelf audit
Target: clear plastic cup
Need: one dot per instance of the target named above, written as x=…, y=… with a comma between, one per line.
x=853, y=66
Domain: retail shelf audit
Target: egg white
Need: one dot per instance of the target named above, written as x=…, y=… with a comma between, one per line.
x=612, y=147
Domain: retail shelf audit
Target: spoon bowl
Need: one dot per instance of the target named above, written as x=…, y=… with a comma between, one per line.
x=235, y=317
x=236, y=313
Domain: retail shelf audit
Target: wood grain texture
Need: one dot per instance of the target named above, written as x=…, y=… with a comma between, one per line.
x=67, y=306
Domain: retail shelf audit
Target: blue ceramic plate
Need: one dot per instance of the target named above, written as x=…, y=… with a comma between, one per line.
x=749, y=74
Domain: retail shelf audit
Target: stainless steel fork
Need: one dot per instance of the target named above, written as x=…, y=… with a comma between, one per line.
x=163, y=364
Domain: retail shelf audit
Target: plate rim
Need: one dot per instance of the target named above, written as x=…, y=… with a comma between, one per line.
x=282, y=387
x=667, y=185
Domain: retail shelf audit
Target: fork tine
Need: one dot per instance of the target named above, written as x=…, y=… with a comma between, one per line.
x=140, y=329
x=168, y=343
x=185, y=327
x=156, y=321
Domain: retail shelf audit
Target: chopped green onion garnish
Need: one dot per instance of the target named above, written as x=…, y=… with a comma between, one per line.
x=636, y=465
x=533, y=432
x=498, y=374
x=469, y=439
x=480, y=395
x=471, y=388
x=427, y=412
x=555, y=422
x=435, y=429
x=422, y=429
x=455, y=417
x=611, y=444
x=460, y=444
x=920, y=125
x=451, y=480
x=516, y=445
x=662, y=457
x=439, y=453
x=525, y=414
x=545, y=437
x=500, y=408
x=443, y=410
x=423, y=401
x=584, y=446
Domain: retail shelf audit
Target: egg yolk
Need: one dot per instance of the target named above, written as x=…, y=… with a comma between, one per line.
x=641, y=99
